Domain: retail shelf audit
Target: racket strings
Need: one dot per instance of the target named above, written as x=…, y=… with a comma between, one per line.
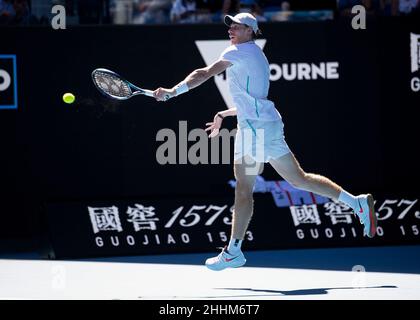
x=112, y=85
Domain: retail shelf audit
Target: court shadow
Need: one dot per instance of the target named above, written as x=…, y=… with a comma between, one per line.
x=300, y=292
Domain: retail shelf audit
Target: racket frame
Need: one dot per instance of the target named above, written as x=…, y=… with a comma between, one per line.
x=135, y=90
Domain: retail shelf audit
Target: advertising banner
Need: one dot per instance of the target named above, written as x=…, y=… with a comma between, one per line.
x=284, y=217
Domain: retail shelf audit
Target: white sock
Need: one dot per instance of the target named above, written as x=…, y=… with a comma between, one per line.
x=348, y=199
x=234, y=246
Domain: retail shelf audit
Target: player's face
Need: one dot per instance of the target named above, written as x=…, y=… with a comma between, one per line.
x=239, y=33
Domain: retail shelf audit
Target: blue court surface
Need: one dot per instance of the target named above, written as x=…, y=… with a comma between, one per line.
x=362, y=273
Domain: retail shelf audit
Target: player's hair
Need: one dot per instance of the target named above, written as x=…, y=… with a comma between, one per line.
x=257, y=34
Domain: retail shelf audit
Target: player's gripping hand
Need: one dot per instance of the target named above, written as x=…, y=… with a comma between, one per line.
x=162, y=94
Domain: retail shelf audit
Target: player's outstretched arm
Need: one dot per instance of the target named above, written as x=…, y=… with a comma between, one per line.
x=193, y=80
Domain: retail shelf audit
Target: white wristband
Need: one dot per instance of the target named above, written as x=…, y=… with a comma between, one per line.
x=181, y=88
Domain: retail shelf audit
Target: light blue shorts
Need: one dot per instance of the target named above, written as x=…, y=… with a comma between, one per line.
x=261, y=140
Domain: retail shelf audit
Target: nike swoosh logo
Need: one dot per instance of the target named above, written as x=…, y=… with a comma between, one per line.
x=228, y=260
x=361, y=209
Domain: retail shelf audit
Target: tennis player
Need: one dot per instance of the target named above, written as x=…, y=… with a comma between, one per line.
x=248, y=73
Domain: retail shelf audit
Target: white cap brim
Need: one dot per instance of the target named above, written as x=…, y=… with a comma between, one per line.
x=229, y=19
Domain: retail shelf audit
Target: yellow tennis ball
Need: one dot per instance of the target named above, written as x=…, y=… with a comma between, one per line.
x=68, y=97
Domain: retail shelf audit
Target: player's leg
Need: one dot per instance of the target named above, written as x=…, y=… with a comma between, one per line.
x=246, y=171
x=289, y=168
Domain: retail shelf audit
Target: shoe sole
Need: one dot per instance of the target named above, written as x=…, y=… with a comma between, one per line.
x=372, y=216
x=240, y=265
x=231, y=266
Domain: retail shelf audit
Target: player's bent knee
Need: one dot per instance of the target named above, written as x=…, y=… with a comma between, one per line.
x=243, y=190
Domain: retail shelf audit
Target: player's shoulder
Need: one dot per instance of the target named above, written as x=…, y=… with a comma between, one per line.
x=230, y=52
x=231, y=48
x=250, y=47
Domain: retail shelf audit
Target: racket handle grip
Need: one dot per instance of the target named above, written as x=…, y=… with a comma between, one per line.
x=148, y=93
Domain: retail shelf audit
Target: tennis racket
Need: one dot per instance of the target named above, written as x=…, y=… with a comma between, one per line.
x=116, y=87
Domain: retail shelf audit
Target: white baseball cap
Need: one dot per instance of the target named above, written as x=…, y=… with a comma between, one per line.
x=243, y=18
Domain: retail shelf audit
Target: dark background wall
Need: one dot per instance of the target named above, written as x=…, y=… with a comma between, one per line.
x=360, y=130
